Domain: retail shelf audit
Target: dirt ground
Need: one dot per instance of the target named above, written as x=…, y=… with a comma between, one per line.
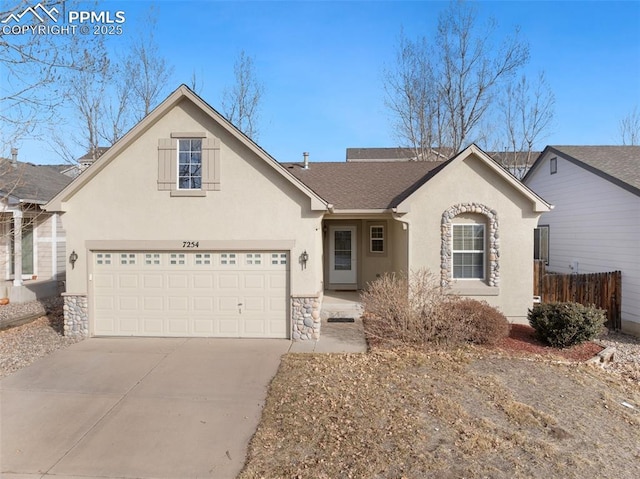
x=469, y=413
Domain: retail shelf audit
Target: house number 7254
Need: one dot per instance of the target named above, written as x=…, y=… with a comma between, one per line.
x=190, y=244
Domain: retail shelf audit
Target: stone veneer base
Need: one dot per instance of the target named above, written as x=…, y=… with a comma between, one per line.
x=305, y=318
x=76, y=315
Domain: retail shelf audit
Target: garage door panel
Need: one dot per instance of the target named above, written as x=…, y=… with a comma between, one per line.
x=127, y=281
x=153, y=303
x=126, y=303
x=178, y=303
x=227, y=294
x=203, y=304
x=153, y=281
x=255, y=304
x=178, y=280
x=203, y=281
x=227, y=304
x=228, y=281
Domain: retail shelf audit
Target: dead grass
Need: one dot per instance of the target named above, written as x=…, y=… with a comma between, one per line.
x=471, y=413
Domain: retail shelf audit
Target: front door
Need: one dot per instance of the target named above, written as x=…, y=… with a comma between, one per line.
x=342, y=255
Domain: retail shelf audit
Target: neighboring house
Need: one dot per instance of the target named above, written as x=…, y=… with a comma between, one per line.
x=185, y=227
x=595, y=223
x=32, y=241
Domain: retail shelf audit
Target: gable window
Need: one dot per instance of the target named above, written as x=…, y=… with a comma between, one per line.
x=376, y=239
x=468, y=251
x=541, y=243
x=553, y=166
x=190, y=164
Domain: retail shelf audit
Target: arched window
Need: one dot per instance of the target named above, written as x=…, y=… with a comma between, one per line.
x=470, y=246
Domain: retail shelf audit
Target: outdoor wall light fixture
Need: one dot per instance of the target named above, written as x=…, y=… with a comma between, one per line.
x=304, y=257
x=73, y=257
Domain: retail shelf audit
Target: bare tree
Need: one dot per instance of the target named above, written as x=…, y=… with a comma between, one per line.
x=630, y=128
x=241, y=103
x=527, y=112
x=148, y=71
x=31, y=66
x=466, y=69
x=412, y=98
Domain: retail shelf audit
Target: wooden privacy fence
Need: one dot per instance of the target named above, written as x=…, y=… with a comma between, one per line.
x=604, y=290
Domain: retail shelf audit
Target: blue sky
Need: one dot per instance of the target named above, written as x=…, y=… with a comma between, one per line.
x=321, y=63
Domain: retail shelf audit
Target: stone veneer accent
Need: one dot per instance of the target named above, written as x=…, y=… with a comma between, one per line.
x=447, y=241
x=76, y=315
x=305, y=317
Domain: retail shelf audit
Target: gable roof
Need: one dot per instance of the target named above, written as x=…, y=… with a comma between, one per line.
x=379, y=185
x=365, y=185
x=390, y=154
x=617, y=164
x=183, y=92
x=30, y=183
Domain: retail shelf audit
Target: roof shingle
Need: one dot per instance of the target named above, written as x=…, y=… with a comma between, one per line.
x=365, y=185
x=26, y=181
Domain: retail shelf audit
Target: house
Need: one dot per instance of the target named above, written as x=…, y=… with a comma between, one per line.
x=185, y=227
x=595, y=224
x=32, y=241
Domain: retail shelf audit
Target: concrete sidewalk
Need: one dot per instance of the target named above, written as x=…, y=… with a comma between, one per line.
x=125, y=408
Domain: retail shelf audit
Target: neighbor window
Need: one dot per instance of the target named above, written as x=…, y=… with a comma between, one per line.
x=376, y=238
x=190, y=164
x=468, y=251
x=541, y=243
x=553, y=166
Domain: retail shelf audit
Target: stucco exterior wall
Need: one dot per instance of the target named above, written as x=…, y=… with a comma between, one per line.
x=255, y=204
x=594, y=227
x=471, y=181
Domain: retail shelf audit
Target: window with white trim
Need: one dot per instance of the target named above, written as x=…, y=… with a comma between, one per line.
x=189, y=164
x=376, y=239
x=468, y=252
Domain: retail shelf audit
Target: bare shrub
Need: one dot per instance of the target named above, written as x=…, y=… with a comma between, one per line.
x=470, y=320
x=416, y=310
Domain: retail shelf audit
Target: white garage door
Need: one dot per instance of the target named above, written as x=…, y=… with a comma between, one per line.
x=207, y=294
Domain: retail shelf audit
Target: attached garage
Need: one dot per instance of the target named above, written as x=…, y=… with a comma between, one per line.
x=240, y=294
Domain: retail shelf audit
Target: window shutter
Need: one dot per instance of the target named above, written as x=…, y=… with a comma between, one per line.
x=167, y=155
x=211, y=164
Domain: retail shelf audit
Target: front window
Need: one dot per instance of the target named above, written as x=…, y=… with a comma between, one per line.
x=376, y=235
x=468, y=251
x=189, y=164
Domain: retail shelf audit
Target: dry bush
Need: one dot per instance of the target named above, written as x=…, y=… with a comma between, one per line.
x=470, y=320
x=416, y=310
x=396, y=307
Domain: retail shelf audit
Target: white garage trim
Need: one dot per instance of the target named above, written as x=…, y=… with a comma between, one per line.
x=190, y=293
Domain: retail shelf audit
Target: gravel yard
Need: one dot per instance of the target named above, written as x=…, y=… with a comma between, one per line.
x=22, y=345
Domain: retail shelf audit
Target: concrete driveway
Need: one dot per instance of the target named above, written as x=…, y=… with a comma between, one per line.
x=136, y=408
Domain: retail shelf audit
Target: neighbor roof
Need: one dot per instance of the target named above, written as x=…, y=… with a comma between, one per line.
x=618, y=164
x=388, y=154
x=365, y=185
x=29, y=182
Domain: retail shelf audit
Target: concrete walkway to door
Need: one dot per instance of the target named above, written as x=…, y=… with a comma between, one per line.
x=136, y=408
